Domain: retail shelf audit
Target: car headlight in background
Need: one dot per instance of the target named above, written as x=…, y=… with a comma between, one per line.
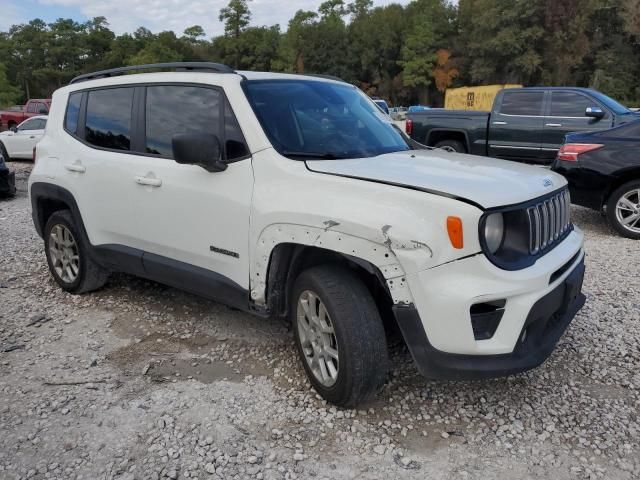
x=494, y=231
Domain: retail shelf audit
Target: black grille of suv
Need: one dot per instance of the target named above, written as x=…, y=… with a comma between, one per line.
x=549, y=220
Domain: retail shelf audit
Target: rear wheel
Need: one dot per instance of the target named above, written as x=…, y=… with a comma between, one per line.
x=623, y=210
x=68, y=256
x=451, y=146
x=339, y=335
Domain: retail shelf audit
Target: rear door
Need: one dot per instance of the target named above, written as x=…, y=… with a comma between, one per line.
x=566, y=114
x=100, y=164
x=516, y=125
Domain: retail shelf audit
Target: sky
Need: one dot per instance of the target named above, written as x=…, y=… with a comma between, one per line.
x=157, y=15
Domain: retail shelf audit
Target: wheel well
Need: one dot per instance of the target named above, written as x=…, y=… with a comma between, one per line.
x=46, y=207
x=618, y=182
x=439, y=136
x=288, y=260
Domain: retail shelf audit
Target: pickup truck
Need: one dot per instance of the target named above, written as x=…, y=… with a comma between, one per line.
x=13, y=118
x=525, y=124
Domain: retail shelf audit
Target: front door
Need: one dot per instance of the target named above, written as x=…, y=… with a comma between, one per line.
x=566, y=115
x=192, y=220
x=515, y=128
x=21, y=143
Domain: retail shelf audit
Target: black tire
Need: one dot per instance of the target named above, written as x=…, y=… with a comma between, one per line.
x=361, y=343
x=451, y=146
x=90, y=276
x=612, y=203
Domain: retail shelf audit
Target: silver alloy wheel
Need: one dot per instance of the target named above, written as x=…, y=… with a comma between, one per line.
x=318, y=339
x=628, y=210
x=63, y=251
x=448, y=148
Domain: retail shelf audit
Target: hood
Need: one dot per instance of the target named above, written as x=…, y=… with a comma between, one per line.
x=484, y=182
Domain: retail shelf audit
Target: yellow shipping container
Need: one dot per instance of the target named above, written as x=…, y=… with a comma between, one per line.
x=473, y=98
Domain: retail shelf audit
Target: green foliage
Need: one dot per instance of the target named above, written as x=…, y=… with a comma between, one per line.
x=9, y=94
x=404, y=53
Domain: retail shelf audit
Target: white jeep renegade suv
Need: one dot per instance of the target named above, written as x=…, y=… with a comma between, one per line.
x=294, y=196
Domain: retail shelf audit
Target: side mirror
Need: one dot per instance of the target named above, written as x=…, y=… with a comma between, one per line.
x=14, y=129
x=594, y=112
x=200, y=149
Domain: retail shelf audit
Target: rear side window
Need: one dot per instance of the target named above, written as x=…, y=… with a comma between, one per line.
x=31, y=108
x=108, y=118
x=73, y=113
x=522, y=103
x=569, y=104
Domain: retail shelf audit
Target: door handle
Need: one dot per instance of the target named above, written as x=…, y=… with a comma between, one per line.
x=152, y=182
x=499, y=123
x=75, y=167
x=553, y=125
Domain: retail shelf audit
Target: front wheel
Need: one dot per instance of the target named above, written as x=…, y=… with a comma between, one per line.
x=623, y=210
x=339, y=335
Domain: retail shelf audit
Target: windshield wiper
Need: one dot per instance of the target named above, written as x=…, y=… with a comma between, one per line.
x=312, y=155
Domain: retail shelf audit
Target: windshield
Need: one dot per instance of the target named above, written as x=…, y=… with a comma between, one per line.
x=611, y=103
x=313, y=119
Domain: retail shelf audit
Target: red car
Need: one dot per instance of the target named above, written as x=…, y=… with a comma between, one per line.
x=12, y=118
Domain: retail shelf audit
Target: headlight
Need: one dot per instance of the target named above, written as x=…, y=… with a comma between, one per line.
x=494, y=231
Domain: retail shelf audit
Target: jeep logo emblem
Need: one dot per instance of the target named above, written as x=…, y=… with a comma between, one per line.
x=547, y=182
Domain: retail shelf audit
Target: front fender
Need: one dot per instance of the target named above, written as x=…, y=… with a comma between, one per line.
x=379, y=253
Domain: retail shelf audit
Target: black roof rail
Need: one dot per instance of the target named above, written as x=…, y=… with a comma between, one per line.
x=189, y=66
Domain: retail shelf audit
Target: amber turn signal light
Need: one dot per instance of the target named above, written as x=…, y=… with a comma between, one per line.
x=454, y=228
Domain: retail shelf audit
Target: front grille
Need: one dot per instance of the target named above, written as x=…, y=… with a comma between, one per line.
x=549, y=221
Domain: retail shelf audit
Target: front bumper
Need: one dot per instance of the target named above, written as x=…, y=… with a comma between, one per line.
x=544, y=325
x=7, y=183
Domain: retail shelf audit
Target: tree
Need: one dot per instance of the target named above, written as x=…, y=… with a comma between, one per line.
x=360, y=8
x=9, y=94
x=566, y=42
x=501, y=40
x=236, y=17
x=194, y=33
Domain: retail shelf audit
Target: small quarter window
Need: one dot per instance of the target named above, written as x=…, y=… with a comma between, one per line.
x=522, y=103
x=108, y=123
x=235, y=146
x=73, y=112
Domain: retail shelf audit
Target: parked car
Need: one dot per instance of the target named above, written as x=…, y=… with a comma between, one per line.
x=417, y=108
x=20, y=141
x=7, y=179
x=603, y=170
x=12, y=117
x=525, y=124
x=291, y=196
x=382, y=104
x=398, y=113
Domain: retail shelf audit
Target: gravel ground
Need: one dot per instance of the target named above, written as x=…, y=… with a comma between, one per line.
x=169, y=385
